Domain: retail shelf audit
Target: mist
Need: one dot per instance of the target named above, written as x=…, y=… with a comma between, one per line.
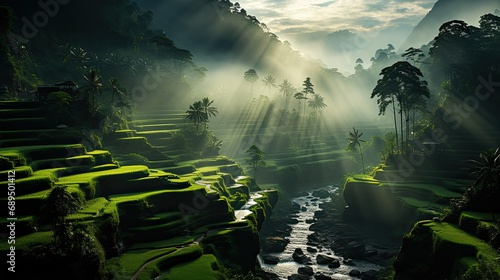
x=219, y=140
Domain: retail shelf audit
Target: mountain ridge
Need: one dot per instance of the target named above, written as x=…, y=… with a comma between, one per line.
x=443, y=11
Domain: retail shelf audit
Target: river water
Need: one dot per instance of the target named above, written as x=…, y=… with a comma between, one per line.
x=298, y=239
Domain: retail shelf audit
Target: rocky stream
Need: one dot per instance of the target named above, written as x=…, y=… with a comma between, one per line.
x=315, y=237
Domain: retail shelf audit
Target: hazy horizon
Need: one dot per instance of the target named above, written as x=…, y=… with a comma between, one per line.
x=374, y=25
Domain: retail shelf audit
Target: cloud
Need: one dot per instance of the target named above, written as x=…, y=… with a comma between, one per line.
x=324, y=4
x=280, y=15
x=364, y=25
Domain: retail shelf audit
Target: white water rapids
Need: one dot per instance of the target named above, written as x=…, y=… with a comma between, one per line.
x=298, y=239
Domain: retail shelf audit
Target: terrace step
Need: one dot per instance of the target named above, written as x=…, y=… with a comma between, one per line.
x=20, y=113
x=151, y=127
x=25, y=123
x=19, y=105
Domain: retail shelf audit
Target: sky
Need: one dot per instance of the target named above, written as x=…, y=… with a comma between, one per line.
x=386, y=21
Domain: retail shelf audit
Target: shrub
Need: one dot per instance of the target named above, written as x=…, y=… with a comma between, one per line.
x=481, y=271
x=137, y=159
x=6, y=164
x=16, y=158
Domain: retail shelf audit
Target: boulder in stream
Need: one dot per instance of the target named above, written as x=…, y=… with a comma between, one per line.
x=324, y=259
x=306, y=270
x=299, y=256
x=334, y=264
x=274, y=244
x=298, y=277
x=321, y=276
x=270, y=259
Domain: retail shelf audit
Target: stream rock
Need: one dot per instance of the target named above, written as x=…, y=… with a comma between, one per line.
x=324, y=259
x=298, y=277
x=321, y=276
x=299, y=256
x=321, y=193
x=311, y=249
x=306, y=270
x=355, y=250
x=274, y=244
x=270, y=259
x=334, y=264
x=355, y=273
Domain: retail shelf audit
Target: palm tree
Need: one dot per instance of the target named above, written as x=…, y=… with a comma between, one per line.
x=196, y=114
x=287, y=89
x=209, y=110
x=486, y=170
x=355, y=143
x=308, y=89
x=316, y=103
x=92, y=87
x=269, y=82
x=116, y=89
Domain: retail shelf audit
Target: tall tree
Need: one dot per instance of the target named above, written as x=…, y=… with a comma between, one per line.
x=115, y=88
x=286, y=89
x=269, y=82
x=255, y=158
x=451, y=47
x=196, y=114
x=178, y=59
x=401, y=83
x=299, y=96
x=251, y=77
x=92, y=87
x=415, y=55
x=308, y=89
x=209, y=110
x=316, y=102
x=355, y=143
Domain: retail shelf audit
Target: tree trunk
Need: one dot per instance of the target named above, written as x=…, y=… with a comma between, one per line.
x=362, y=160
x=395, y=123
x=401, y=126
x=413, y=121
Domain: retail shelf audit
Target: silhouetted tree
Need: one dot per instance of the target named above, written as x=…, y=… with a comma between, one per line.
x=255, y=158
x=179, y=58
x=415, y=55
x=92, y=87
x=308, y=89
x=269, y=82
x=197, y=115
x=299, y=96
x=401, y=82
x=209, y=110
x=316, y=102
x=286, y=89
x=251, y=77
x=450, y=47
x=359, y=66
x=115, y=88
x=355, y=143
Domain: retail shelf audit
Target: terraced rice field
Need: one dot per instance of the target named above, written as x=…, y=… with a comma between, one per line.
x=154, y=194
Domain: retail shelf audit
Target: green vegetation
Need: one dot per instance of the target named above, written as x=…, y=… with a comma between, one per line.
x=206, y=267
x=355, y=144
x=255, y=158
